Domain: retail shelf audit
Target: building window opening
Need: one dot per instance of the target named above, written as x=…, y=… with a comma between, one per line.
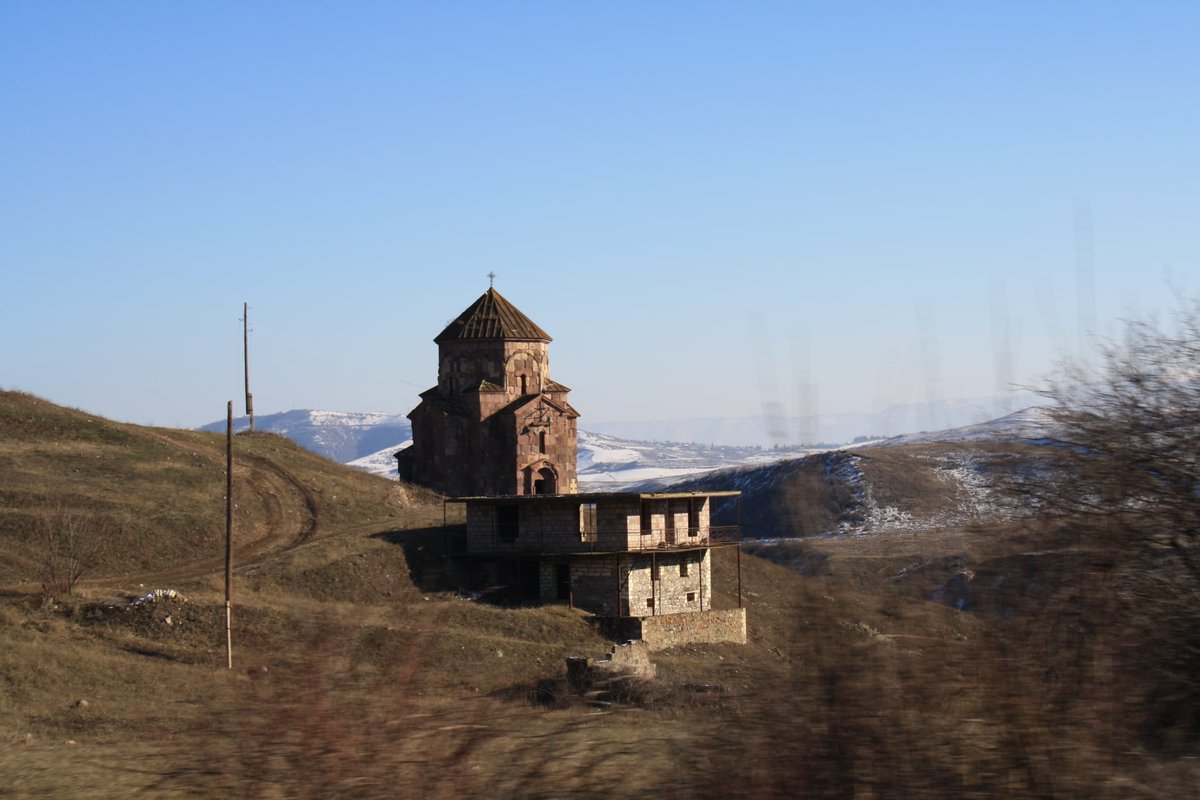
x=691, y=597
x=587, y=522
x=508, y=522
x=541, y=442
x=524, y=385
x=562, y=582
x=683, y=568
x=649, y=602
x=694, y=517
x=647, y=520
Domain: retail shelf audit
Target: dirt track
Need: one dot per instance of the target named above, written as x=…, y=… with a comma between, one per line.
x=286, y=514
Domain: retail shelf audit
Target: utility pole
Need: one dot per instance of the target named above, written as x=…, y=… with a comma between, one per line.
x=246, y=361
x=229, y=534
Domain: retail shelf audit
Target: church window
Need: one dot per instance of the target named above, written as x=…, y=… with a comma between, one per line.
x=541, y=441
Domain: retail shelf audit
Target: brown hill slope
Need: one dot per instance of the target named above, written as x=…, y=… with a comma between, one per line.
x=155, y=496
x=351, y=682
x=913, y=487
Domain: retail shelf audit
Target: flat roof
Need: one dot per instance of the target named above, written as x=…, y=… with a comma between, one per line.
x=589, y=496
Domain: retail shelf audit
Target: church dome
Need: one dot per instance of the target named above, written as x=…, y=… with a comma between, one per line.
x=492, y=317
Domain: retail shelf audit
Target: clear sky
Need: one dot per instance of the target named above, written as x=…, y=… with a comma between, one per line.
x=710, y=206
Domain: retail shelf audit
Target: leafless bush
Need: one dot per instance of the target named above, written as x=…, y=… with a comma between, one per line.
x=1128, y=440
x=1122, y=479
x=66, y=544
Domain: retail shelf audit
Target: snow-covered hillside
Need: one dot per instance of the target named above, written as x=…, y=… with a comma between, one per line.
x=381, y=462
x=942, y=479
x=1032, y=424
x=830, y=427
x=608, y=463
x=338, y=435
x=369, y=441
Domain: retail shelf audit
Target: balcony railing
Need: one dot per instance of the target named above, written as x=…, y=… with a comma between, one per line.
x=549, y=541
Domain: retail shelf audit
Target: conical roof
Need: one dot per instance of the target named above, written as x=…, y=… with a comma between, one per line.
x=492, y=317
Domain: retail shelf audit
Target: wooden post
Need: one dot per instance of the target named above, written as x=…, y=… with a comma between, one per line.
x=654, y=583
x=246, y=361
x=229, y=534
x=738, y=504
x=739, y=569
x=617, y=575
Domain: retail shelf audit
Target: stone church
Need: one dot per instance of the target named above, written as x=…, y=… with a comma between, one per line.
x=494, y=411
x=497, y=435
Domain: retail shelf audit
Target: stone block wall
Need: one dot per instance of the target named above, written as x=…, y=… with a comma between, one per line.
x=662, y=522
x=548, y=581
x=594, y=584
x=545, y=527
x=528, y=359
x=657, y=583
x=709, y=627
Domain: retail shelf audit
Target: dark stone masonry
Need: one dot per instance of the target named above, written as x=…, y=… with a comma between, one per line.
x=495, y=423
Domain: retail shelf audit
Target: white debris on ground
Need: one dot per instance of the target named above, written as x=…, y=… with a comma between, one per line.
x=156, y=595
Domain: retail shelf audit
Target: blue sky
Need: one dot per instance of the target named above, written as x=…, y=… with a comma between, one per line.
x=710, y=206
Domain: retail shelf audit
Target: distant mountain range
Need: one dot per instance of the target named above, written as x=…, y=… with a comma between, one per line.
x=340, y=436
x=822, y=430
x=649, y=454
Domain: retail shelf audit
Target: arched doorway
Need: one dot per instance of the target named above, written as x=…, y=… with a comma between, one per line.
x=545, y=482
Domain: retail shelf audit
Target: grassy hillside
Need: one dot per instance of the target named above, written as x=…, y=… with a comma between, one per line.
x=859, y=680
x=155, y=496
x=913, y=487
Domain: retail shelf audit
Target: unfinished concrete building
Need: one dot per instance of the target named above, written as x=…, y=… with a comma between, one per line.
x=643, y=560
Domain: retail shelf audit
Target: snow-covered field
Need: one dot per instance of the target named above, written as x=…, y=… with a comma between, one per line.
x=381, y=462
x=608, y=463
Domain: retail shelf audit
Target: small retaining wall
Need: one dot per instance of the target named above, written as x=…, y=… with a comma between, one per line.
x=669, y=630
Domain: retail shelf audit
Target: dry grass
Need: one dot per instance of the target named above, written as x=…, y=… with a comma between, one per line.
x=159, y=493
x=351, y=681
x=843, y=690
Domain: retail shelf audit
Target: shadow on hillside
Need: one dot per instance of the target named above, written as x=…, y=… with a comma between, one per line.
x=433, y=555
x=438, y=562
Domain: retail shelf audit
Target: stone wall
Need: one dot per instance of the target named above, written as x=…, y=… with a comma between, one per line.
x=594, y=584
x=709, y=627
x=553, y=525
x=547, y=526
x=661, y=522
x=471, y=437
x=658, y=583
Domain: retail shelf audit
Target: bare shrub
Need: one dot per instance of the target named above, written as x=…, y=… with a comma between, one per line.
x=1121, y=479
x=66, y=544
x=1127, y=435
